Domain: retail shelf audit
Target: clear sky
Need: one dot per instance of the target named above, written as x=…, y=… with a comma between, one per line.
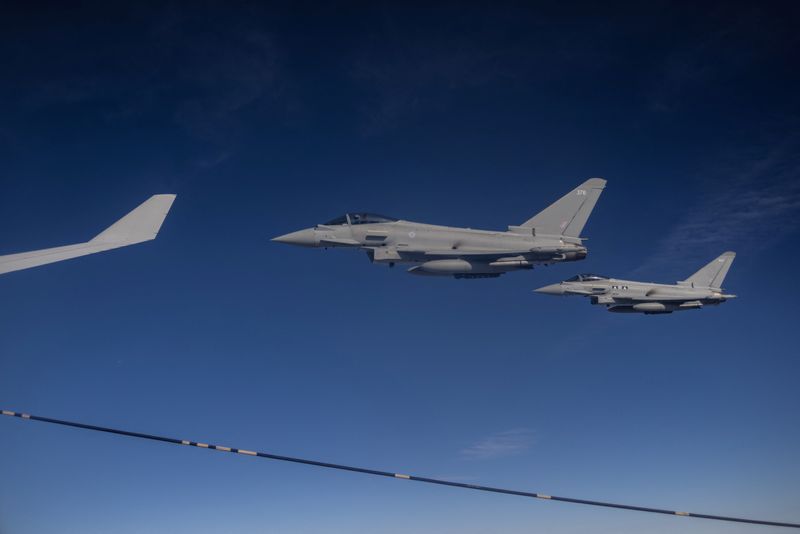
x=264, y=120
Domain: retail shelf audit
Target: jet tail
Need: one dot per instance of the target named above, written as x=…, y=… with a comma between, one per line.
x=568, y=215
x=712, y=274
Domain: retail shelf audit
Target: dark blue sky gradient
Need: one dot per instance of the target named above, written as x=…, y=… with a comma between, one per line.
x=264, y=120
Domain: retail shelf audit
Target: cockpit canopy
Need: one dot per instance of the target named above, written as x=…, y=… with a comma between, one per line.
x=360, y=218
x=586, y=277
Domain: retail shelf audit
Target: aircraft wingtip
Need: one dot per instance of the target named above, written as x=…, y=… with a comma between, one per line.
x=141, y=224
x=166, y=198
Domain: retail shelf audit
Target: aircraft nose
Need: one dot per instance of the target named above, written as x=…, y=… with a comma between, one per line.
x=303, y=238
x=552, y=289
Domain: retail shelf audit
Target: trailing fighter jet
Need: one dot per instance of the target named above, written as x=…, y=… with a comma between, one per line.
x=141, y=224
x=703, y=288
x=551, y=236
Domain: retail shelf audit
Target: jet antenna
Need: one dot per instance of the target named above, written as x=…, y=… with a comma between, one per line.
x=390, y=474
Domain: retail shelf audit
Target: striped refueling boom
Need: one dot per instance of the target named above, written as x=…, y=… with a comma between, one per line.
x=390, y=474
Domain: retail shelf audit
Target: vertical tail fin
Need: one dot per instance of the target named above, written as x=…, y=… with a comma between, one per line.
x=714, y=273
x=568, y=215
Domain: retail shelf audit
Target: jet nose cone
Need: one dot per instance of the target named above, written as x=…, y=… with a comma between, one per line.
x=303, y=238
x=552, y=289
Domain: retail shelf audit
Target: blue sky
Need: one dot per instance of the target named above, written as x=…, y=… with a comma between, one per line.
x=264, y=120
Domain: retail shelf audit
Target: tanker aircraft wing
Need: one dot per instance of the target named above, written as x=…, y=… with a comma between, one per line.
x=141, y=224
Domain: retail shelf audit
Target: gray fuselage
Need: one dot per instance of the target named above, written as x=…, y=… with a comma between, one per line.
x=628, y=296
x=444, y=250
x=550, y=236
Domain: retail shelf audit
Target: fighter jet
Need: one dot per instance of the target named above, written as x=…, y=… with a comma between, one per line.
x=141, y=224
x=551, y=236
x=703, y=288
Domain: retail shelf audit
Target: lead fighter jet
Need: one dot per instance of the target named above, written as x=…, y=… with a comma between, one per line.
x=703, y=288
x=552, y=236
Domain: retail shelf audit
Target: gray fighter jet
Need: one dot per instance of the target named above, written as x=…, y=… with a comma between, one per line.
x=551, y=236
x=703, y=288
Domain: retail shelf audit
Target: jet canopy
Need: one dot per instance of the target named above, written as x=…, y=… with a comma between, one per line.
x=586, y=277
x=360, y=218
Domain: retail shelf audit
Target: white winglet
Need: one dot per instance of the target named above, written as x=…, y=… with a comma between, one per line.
x=141, y=224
